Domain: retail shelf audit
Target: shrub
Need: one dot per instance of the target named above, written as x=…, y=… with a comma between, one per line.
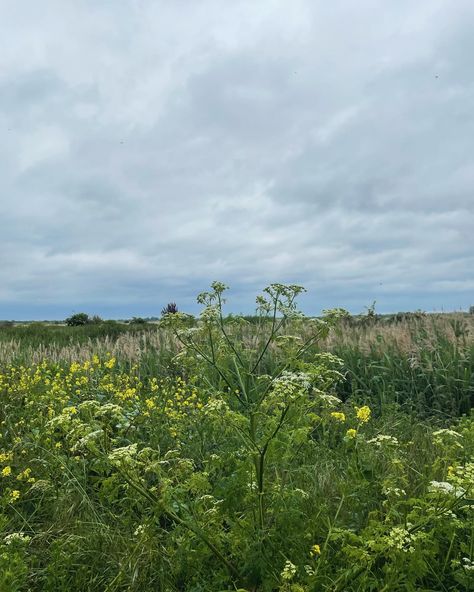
x=78, y=319
x=137, y=321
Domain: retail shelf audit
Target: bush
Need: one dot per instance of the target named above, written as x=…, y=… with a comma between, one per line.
x=137, y=321
x=78, y=319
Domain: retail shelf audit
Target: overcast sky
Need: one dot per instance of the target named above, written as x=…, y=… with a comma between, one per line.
x=148, y=147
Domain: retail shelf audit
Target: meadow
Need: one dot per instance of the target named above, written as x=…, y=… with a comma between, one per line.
x=264, y=454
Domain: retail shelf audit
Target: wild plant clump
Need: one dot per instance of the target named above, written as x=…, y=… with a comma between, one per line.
x=239, y=469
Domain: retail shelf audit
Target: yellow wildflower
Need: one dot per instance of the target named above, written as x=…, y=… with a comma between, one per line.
x=6, y=471
x=338, y=416
x=14, y=495
x=315, y=551
x=351, y=433
x=363, y=413
x=24, y=474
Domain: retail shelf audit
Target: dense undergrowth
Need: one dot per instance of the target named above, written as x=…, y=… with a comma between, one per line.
x=273, y=457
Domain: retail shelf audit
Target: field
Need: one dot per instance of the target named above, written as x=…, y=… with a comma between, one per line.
x=274, y=453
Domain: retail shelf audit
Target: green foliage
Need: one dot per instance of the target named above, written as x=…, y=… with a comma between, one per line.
x=78, y=319
x=137, y=321
x=239, y=467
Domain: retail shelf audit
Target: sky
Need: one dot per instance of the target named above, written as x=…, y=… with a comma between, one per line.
x=149, y=147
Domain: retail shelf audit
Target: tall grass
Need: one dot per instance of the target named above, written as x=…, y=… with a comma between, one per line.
x=423, y=363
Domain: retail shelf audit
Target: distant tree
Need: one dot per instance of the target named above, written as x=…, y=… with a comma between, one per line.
x=137, y=321
x=96, y=320
x=471, y=310
x=170, y=308
x=78, y=319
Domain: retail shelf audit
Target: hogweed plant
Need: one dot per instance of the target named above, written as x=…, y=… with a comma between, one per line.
x=265, y=387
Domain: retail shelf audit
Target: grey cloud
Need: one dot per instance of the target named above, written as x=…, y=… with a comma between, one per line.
x=149, y=148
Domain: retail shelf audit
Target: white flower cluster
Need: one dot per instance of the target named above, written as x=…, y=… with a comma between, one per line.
x=329, y=400
x=288, y=572
x=382, y=439
x=140, y=529
x=400, y=538
x=395, y=491
x=447, y=432
x=88, y=440
x=124, y=454
x=446, y=488
x=16, y=538
x=441, y=437
x=215, y=406
x=467, y=564
x=300, y=379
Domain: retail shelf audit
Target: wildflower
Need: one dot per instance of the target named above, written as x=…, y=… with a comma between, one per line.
x=382, y=439
x=448, y=433
x=329, y=400
x=14, y=495
x=6, y=471
x=338, y=416
x=351, y=433
x=447, y=488
x=16, y=538
x=363, y=413
x=467, y=564
x=24, y=474
x=309, y=570
x=289, y=571
x=315, y=551
x=400, y=538
x=395, y=491
x=110, y=363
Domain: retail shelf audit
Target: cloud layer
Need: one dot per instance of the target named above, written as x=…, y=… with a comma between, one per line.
x=151, y=147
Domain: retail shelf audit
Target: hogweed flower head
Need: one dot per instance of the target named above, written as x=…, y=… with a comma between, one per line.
x=288, y=572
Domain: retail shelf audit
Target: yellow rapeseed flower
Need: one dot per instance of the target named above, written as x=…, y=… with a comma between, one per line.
x=351, y=433
x=338, y=416
x=6, y=471
x=110, y=363
x=315, y=551
x=14, y=495
x=363, y=413
x=24, y=474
